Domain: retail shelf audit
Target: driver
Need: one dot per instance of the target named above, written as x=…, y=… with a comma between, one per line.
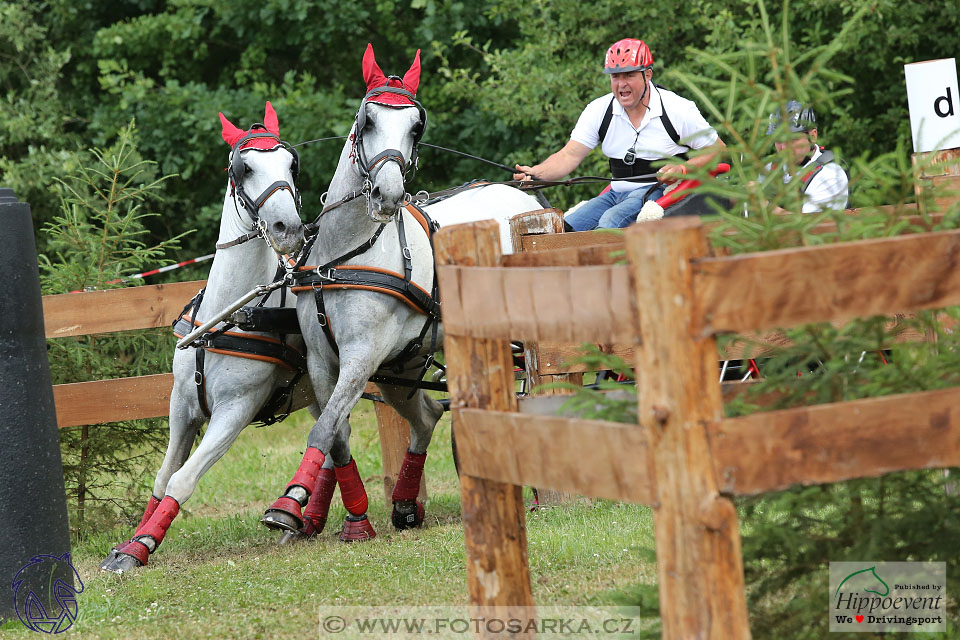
x=636, y=124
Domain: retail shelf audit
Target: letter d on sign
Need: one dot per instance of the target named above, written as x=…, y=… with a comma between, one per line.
x=931, y=89
x=948, y=111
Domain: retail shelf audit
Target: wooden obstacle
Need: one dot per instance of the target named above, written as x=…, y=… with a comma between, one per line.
x=150, y=306
x=684, y=459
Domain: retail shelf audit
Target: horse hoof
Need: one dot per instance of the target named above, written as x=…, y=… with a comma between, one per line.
x=292, y=537
x=407, y=514
x=357, y=529
x=120, y=563
x=281, y=521
x=284, y=515
x=308, y=532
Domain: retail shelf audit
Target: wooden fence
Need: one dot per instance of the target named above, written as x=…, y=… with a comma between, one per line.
x=685, y=459
x=149, y=306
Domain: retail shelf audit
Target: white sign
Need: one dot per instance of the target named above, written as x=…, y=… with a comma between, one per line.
x=934, y=101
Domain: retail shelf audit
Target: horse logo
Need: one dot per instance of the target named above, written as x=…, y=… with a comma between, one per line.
x=44, y=600
x=865, y=581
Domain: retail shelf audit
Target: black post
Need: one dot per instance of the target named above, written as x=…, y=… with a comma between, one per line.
x=33, y=508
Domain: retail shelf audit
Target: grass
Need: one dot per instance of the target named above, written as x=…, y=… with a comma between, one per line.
x=219, y=573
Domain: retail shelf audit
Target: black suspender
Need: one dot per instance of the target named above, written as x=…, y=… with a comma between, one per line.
x=605, y=123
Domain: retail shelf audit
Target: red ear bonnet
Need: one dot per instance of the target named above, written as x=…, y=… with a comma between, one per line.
x=375, y=79
x=232, y=134
x=270, y=119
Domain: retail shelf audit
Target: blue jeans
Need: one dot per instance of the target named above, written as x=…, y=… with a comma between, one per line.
x=613, y=210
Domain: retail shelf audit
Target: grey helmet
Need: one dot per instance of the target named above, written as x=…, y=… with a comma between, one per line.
x=801, y=119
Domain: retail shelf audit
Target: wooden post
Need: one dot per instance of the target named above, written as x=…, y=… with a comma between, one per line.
x=480, y=375
x=538, y=223
x=699, y=560
x=394, y=442
x=937, y=172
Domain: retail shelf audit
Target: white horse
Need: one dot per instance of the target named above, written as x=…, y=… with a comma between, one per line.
x=216, y=382
x=367, y=301
x=484, y=202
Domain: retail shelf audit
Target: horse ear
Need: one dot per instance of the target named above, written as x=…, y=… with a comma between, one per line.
x=372, y=74
x=270, y=120
x=230, y=132
x=411, y=79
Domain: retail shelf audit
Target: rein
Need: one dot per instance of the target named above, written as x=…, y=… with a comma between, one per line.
x=425, y=196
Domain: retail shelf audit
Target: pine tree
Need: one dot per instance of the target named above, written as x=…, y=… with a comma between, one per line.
x=95, y=243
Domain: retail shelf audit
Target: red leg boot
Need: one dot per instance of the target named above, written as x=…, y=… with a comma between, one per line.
x=111, y=558
x=357, y=526
x=285, y=513
x=136, y=552
x=315, y=513
x=407, y=510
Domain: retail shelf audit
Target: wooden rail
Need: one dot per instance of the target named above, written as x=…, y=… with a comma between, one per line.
x=667, y=305
x=537, y=243
x=151, y=306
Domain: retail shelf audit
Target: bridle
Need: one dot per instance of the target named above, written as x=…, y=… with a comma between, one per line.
x=242, y=199
x=368, y=169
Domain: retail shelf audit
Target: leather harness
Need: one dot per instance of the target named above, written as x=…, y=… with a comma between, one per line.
x=333, y=275
x=250, y=346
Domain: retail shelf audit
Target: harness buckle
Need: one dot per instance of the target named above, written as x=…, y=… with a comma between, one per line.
x=406, y=253
x=198, y=377
x=321, y=319
x=328, y=276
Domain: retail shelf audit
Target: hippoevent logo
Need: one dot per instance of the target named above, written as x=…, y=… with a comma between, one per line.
x=44, y=600
x=888, y=596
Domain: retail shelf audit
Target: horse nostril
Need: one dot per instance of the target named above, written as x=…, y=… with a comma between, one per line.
x=279, y=228
x=375, y=193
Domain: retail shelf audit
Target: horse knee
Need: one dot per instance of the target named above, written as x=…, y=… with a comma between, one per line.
x=180, y=487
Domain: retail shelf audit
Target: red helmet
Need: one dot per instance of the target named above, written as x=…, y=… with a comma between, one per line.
x=627, y=55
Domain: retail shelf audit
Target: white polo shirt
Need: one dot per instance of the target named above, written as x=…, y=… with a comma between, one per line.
x=650, y=140
x=829, y=189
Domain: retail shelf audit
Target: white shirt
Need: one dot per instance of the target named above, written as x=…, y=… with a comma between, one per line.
x=650, y=140
x=829, y=189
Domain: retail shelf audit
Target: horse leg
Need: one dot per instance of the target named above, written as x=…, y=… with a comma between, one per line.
x=318, y=506
x=356, y=525
x=285, y=513
x=330, y=433
x=226, y=424
x=423, y=413
x=183, y=431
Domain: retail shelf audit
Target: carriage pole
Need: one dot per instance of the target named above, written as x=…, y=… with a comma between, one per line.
x=33, y=508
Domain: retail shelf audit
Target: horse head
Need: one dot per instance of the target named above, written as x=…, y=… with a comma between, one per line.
x=386, y=133
x=263, y=172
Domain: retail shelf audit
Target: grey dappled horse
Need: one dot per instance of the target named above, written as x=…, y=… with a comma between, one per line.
x=259, y=221
x=367, y=302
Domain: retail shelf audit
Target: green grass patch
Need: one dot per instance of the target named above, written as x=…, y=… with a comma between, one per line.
x=220, y=574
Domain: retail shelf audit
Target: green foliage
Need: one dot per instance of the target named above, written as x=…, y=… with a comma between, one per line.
x=95, y=241
x=790, y=539
x=502, y=79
